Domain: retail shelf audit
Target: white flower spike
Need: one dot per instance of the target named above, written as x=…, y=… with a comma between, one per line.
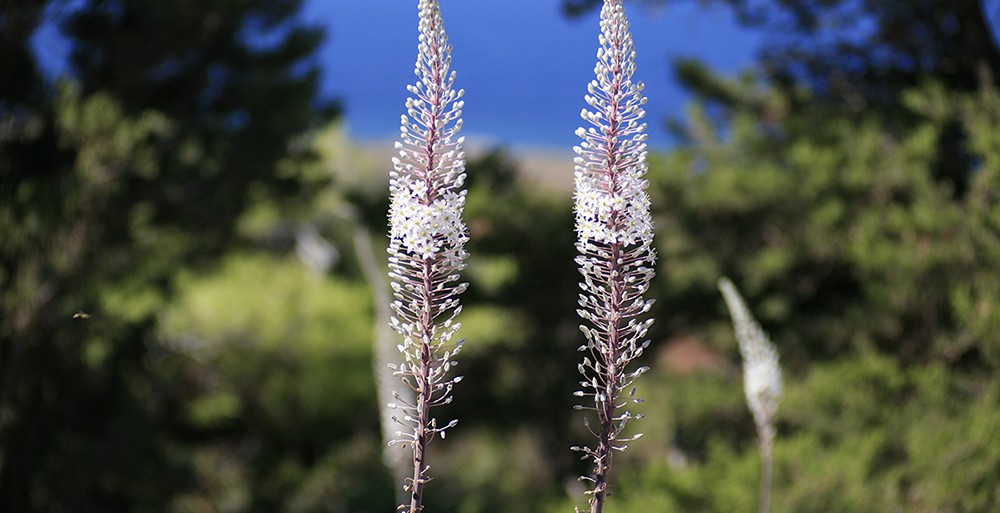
x=427, y=243
x=761, y=371
x=614, y=238
x=761, y=380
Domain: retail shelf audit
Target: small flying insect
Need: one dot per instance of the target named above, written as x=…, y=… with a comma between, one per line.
x=81, y=315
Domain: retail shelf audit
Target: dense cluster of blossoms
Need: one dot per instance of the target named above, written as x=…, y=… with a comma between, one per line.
x=615, y=236
x=426, y=230
x=426, y=243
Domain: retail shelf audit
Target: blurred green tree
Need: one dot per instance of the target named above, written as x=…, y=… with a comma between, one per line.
x=179, y=118
x=281, y=389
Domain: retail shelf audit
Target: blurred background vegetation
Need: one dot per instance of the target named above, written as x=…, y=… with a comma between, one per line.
x=186, y=324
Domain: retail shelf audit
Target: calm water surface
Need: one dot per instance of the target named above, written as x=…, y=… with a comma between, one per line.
x=524, y=67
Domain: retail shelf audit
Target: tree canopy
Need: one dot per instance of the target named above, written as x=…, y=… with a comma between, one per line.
x=173, y=120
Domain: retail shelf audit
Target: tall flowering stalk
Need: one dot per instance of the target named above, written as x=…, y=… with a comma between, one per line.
x=761, y=381
x=426, y=244
x=615, y=238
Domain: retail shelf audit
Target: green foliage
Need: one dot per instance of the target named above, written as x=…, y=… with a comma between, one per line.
x=237, y=78
x=72, y=386
x=279, y=359
x=956, y=452
x=857, y=435
x=487, y=471
x=135, y=168
x=841, y=235
x=289, y=336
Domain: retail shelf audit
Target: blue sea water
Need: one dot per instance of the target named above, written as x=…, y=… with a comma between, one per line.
x=523, y=65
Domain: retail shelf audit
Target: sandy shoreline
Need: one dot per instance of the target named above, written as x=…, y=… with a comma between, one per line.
x=545, y=168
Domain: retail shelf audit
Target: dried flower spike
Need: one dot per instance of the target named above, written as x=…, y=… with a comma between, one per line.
x=615, y=236
x=761, y=380
x=426, y=244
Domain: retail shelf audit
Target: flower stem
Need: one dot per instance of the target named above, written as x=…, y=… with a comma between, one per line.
x=766, y=469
